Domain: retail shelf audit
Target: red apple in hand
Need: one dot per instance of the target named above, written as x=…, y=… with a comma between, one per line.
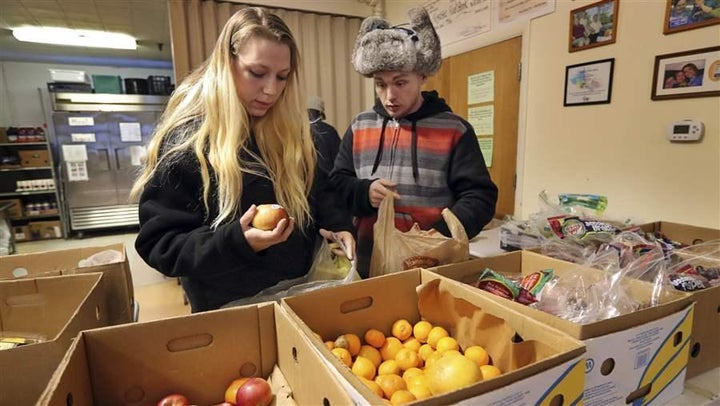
x=174, y=400
x=268, y=216
x=254, y=392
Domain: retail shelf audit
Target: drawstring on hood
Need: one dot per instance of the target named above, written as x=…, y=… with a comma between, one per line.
x=378, y=157
x=432, y=104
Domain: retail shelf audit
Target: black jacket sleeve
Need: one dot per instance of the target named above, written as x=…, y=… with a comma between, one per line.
x=175, y=237
x=331, y=213
x=354, y=192
x=475, y=193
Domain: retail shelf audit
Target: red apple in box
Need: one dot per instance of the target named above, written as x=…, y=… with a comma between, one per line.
x=231, y=391
x=254, y=392
x=268, y=216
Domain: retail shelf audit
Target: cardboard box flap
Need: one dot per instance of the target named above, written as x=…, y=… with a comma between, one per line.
x=58, y=260
x=76, y=304
x=471, y=323
x=43, y=306
x=75, y=382
x=684, y=233
x=66, y=262
x=297, y=361
x=360, y=306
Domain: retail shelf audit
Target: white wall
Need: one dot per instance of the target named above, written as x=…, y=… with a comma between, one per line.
x=616, y=149
x=19, y=99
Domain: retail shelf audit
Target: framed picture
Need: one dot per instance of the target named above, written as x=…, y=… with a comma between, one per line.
x=589, y=83
x=686, y=74
x=682, y=15
x=593, y=25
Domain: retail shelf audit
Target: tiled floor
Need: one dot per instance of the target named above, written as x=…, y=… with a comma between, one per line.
x=157, y=295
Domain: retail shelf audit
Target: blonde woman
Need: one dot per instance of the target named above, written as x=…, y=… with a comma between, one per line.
x=235, y=135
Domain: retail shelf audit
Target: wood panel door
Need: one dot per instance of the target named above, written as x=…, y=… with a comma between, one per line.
x=451, y=82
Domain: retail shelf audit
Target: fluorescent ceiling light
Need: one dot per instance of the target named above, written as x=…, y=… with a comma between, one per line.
x=78, y=38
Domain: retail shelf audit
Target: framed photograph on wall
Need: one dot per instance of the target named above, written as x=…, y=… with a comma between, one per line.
x=681, y=75
x=589, y=83
x=682, y=15
x=593, y=25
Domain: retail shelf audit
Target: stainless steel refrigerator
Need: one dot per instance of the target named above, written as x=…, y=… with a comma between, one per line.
x=100, y=141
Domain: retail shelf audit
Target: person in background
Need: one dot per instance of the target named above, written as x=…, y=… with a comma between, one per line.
x=325, y=136
x=676, y=80
x=595, y=27
x=692, y=73
x=235, y=135
x=411, y=144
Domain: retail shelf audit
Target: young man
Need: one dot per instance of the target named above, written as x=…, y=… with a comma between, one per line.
x=410, y=144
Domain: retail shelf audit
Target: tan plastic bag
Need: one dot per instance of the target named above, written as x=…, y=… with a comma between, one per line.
x=394, y=250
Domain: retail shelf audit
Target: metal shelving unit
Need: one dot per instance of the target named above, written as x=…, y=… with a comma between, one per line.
x=45, y=202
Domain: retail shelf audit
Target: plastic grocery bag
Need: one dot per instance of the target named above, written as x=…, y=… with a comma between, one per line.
x=327, y=270
x=394, y=250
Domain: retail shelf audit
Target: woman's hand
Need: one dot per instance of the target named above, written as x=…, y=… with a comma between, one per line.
x=381, y=188
x=345, y=237
x=260, y=239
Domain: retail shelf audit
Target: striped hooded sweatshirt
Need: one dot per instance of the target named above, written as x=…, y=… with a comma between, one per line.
x=434, y=157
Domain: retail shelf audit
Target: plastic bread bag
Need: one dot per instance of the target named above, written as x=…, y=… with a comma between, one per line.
x=571, y=297
x=585, y=296
x=695, y=267
x=327, y=270
x=566, y=250
x=641, y=259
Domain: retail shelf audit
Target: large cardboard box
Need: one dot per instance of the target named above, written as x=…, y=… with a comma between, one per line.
x=705, y=346
x=635, y=357
x=34, y=158
x=43, y=230
x=117, y=277
x=684, y=233
x=16, y=210
x=540, y=364
x=54, y=309
x=197, y=355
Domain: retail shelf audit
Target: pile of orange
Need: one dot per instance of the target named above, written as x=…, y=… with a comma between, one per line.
x=413, y=362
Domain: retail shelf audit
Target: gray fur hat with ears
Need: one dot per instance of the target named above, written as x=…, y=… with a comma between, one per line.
x=382, y=48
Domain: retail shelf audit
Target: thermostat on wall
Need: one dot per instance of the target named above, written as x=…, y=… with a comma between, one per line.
x=685, y=130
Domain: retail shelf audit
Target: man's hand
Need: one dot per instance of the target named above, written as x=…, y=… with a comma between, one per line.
x=260, y=239
x=344, y=237
x=381, y=188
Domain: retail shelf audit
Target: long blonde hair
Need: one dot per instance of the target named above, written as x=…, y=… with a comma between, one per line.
x=208, y=97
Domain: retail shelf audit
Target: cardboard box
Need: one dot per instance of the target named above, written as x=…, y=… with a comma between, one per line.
x=683, y=233
x=640, y=356
x=197, y=355
x=16, y=210
x=55, y=308
x=44, y=230
x=22, y=233
x=705, y=346
x=34, y=158
x=117, y=277
x=545, y=365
